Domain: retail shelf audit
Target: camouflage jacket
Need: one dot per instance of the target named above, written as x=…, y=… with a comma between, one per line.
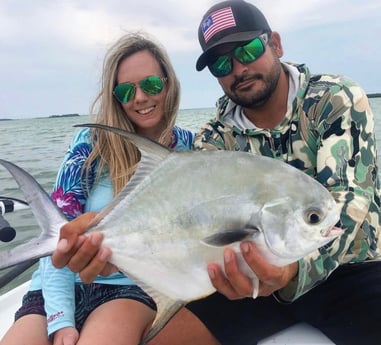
x=328, y=134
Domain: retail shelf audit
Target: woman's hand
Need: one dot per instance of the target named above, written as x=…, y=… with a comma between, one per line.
x=82, y=254
x=66, y=336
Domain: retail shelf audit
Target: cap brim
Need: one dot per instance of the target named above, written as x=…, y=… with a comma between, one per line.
x=238, y=37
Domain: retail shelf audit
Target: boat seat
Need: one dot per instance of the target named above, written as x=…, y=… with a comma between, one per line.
x=299, y=334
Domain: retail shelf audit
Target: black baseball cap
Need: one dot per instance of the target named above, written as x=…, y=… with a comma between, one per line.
x=231, y=21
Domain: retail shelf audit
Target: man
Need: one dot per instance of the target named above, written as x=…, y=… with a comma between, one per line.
x=322, y=125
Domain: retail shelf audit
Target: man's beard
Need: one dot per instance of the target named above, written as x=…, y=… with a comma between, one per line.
x=260, y=97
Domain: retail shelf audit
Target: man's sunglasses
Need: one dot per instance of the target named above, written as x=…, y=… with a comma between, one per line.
x=244, y=54
x=151, y=85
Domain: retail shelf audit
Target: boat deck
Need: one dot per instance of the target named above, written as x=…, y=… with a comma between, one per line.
x=300, y=334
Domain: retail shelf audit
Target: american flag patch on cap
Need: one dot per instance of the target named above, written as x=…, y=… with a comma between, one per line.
x=217, y=21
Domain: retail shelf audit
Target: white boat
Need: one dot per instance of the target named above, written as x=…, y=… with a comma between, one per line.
x=10, y=205
x=7, y=205
x=299, y=334
x=10, y=302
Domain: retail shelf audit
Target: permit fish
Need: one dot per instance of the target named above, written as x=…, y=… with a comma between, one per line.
x=181, y=209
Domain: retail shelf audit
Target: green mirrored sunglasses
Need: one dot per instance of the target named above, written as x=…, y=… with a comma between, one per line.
x=151, y=85
x=244, y=54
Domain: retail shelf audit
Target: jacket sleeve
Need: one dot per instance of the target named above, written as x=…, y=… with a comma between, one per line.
x=69, y=194
x=346, y=166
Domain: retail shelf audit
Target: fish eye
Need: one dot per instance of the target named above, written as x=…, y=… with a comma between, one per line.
x=313, y=216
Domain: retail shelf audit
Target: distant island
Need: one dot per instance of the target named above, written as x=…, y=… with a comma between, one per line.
x=64, y=115
x=373, y=95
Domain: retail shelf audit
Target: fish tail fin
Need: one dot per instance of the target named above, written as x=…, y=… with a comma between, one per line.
x=48, y=216
x=33, y=249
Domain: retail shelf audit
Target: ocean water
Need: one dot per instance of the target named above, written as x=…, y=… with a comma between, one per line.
x=38, y=145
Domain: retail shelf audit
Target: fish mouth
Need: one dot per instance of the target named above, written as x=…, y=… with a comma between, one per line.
x=334, y=231
x=331, y=233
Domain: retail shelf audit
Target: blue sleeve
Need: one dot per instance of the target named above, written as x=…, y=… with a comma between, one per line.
x=182, y=139
x=70, y=196
x=69, y=192
x=58, y=293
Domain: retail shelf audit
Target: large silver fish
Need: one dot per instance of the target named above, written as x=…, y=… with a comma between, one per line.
x=181, y=209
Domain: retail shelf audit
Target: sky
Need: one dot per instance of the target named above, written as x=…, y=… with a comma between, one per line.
x=51, y=51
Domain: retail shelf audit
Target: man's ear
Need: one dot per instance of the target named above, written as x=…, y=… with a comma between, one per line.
x=276, y=43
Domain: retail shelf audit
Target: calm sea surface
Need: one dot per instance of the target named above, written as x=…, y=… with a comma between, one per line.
x=38, y=145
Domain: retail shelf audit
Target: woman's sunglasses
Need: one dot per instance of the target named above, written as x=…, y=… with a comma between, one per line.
x=244, y=54
x=151, y=85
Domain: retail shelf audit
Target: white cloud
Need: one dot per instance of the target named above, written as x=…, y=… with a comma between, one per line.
x=55, y=47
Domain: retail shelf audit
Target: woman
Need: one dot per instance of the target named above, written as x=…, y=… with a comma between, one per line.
x=140, y=93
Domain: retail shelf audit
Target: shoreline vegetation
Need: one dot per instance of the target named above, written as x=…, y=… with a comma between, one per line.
x=47, y=117
x=64, y=115
x=373, y=95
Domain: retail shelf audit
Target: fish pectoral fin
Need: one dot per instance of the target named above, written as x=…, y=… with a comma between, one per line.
x=272, y=211
x=224, y=238
x=276, y=202
x=162, y=319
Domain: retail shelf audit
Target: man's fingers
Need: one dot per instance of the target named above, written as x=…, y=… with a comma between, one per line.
x=234, y=284
x=271, y=278
x=220, y=282
x=242, y=284
x=254, y=259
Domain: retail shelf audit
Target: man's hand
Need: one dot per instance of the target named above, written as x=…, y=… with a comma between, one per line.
x=82, y=254
x=236, y=285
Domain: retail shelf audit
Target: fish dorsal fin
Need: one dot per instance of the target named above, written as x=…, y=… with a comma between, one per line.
x=152, y=154
x=147, y=147
x=227, y=237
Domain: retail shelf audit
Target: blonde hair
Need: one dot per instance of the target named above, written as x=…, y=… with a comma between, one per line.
x=113, y=153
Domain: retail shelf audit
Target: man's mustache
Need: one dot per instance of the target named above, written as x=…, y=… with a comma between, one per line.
x=239, y=80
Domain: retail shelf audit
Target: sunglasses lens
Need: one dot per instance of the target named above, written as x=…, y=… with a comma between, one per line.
x=124, y=92
x=152, y=85
x=221, y=67
x=249, y=52
x=244, y=54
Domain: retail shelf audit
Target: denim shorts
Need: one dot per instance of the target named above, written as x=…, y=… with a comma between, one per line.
x=87, y=298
